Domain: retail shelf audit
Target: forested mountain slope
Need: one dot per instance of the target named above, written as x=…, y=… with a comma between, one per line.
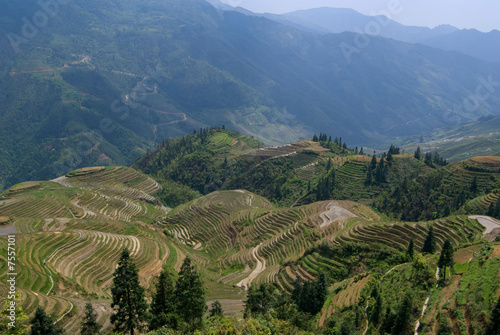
x=136, y=73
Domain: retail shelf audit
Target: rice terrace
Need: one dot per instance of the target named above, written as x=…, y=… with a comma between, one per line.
x=234, y=167
x=70, y=232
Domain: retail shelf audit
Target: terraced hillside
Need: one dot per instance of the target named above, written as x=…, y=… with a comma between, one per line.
x=70, y=232
x=281, y=244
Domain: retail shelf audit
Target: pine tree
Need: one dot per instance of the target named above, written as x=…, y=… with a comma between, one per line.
x=361, y=152
x=491, y=209
x=162, y=304
x=373, y=164
x=446, y=258
x=473, y=186
x=411, y=249
x=320, y=291
x=89, y=323
x=430, y=242
x=418, y=153
x=42, y=324
x=493, y=326
x=216, y=309
x=376, y=313
x=496, y=212
x=315, y=138
x=380, y=172
x=389, y=158
x=189, y=294
x=404, y=315
x=129, y=304
x=297, y=290
x=259, y=300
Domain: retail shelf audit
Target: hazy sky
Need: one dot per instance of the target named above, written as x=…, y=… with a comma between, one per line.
x=483, y=15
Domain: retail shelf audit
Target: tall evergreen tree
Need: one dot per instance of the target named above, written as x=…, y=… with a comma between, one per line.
x=90, y=326
x=373, y=163
x=404, y=317
x=418, y=153
x=259, y=300
x=216, y=309
x=129, y=303
x=493, y=326
x=163, y=303
x=189, y=294
x=380, y=172
x=446, y=258
x=320, y=292
x=411, y=249
x=430, y=241
x=297, y=290
x=376, y=313
x=474, y=186
x=42, y=324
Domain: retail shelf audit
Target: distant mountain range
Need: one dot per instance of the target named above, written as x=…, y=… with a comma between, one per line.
x=103, y=82
x=327, y=20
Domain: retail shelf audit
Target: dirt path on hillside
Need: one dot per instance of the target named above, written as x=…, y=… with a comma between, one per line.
x=426, y=303
x=486, y=221
x=261, y=266
x=334, y=213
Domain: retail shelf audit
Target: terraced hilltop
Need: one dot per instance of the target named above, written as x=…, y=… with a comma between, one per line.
x=70, y=232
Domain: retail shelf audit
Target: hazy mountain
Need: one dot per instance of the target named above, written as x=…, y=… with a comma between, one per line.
x=141, y=71
x=338, y=20
x=485, y=46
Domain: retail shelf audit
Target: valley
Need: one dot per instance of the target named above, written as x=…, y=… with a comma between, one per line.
x=188, y=167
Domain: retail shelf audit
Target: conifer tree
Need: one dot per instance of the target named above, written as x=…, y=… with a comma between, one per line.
x=493, y=326
x=430, y=242
x=373, y=164
x=411, y=249
x=129, y=304
x=216, y=309
x=42, y=324
x=473, y=186
x=297, y=290
x=380, y=171
x=418, y=153
x=89, y=322
x=189, y=294
x=320, y=292
x=404, y=316
x=376, y=313
x=163, y=303
x=446, y=258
